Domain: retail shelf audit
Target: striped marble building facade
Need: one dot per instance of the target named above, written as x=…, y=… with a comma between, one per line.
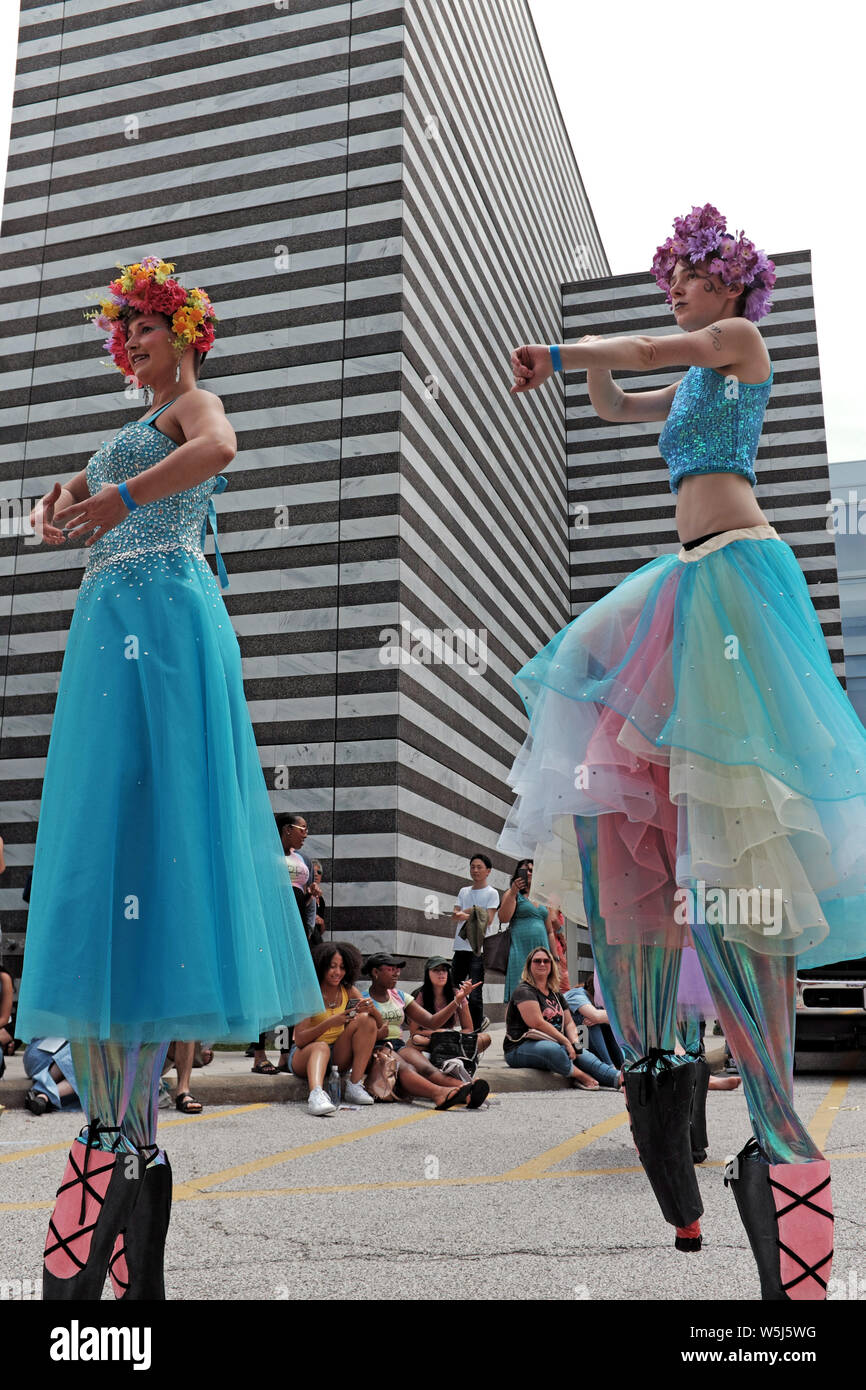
x=354, y=185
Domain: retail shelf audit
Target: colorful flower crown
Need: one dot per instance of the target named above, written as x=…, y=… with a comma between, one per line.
x=701, y=234
x=146, y=287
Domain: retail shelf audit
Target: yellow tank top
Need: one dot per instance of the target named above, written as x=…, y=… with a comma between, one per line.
x=331, y=1035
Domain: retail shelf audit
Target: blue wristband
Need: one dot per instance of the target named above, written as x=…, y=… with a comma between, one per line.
x=556, y=358
x=128, y=499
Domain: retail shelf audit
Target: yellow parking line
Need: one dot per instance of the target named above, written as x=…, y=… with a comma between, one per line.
x=255, y=1165
x=535, y=1167
x=186, y=1193
x=824, y=1116
x=163, y=1124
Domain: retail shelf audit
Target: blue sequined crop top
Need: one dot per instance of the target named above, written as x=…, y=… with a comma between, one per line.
x=714, y=425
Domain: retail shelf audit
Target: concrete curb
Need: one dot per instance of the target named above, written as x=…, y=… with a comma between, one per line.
x=229, y=1081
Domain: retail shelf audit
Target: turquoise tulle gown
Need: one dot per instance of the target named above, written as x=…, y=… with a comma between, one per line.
x=161, y=906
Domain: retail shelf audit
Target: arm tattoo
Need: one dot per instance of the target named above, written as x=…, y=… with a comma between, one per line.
x=717, y=336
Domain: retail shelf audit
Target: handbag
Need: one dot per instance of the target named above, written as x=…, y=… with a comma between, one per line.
x=381, y=1079
x=446, y=1043
x=531, y=1035
x=496, y=950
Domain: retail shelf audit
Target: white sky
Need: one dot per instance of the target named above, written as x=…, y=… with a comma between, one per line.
x=760, y=113
x=756, y=109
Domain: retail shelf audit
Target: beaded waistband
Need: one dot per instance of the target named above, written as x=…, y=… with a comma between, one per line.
x=137, y=552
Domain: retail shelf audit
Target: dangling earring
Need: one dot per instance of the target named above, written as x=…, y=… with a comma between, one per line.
x=148, y=396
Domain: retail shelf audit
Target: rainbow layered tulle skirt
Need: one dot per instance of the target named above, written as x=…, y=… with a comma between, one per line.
x=692, y=756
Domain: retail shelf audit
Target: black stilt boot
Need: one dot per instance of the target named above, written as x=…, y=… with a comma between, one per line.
x=96, y=1197
x=698, y=1115
x=659, y=1105
x=137, y=1261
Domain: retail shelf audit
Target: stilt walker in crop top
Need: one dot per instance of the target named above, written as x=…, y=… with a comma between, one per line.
x=173, y=917
x=694, y=773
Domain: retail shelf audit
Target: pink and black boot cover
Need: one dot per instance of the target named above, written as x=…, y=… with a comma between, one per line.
x=787, y=1210
x=96, y=1196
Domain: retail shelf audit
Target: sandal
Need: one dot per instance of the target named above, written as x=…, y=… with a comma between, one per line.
x=462, y=1094
x=265, y=1069
x=184, y=1101
x=37, y=1102
x=478, y=1093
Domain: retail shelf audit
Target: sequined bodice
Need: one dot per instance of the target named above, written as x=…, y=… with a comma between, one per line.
x=176, y=522
x=714, y=425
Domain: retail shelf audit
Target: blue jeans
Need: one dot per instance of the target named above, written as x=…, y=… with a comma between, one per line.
x=602, y=1072
x=604, y=1044
x=543, y=1056
x=595, y=1059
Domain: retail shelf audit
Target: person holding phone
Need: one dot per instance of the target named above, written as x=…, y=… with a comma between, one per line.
x=532, y=925
x=343, y=1035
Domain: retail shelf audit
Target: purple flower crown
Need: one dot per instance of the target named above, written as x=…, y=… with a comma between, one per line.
x=701, y=234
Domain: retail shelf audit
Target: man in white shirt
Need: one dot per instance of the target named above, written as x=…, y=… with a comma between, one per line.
x=466, y=963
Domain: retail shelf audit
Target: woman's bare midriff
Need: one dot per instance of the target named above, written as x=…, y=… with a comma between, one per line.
x=716, y=502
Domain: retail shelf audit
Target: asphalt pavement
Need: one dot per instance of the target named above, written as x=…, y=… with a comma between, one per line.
x=538, y=1196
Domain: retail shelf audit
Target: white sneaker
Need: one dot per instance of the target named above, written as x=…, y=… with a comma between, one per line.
x=354, y=1093
x=320, y=1103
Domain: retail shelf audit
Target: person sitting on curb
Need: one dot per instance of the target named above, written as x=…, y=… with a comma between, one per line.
x=415, y=1074
x=184, y=1056
x=438, y=1007
x=601, y=1055
x=539, y=1029
x=344, y=1035
x=49, y=1067
x=7, y=1041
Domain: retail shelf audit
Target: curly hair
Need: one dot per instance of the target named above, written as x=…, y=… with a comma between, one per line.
x=324, y=954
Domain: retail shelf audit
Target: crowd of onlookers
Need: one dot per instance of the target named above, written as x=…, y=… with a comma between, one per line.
x=381, y=1043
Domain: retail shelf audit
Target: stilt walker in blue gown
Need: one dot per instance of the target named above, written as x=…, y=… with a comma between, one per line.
x=160, y=906
x=694, y=774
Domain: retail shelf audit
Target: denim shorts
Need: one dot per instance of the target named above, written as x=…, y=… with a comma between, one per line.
x=294, y=1047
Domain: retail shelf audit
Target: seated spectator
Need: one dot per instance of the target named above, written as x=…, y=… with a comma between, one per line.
x=601, y=1056
x=183, y=1056
x=416, y=1076
x=49, y=1066
x=539, y=1029
x=7, y=1040
x=441, y=1008
x=343, y=1035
